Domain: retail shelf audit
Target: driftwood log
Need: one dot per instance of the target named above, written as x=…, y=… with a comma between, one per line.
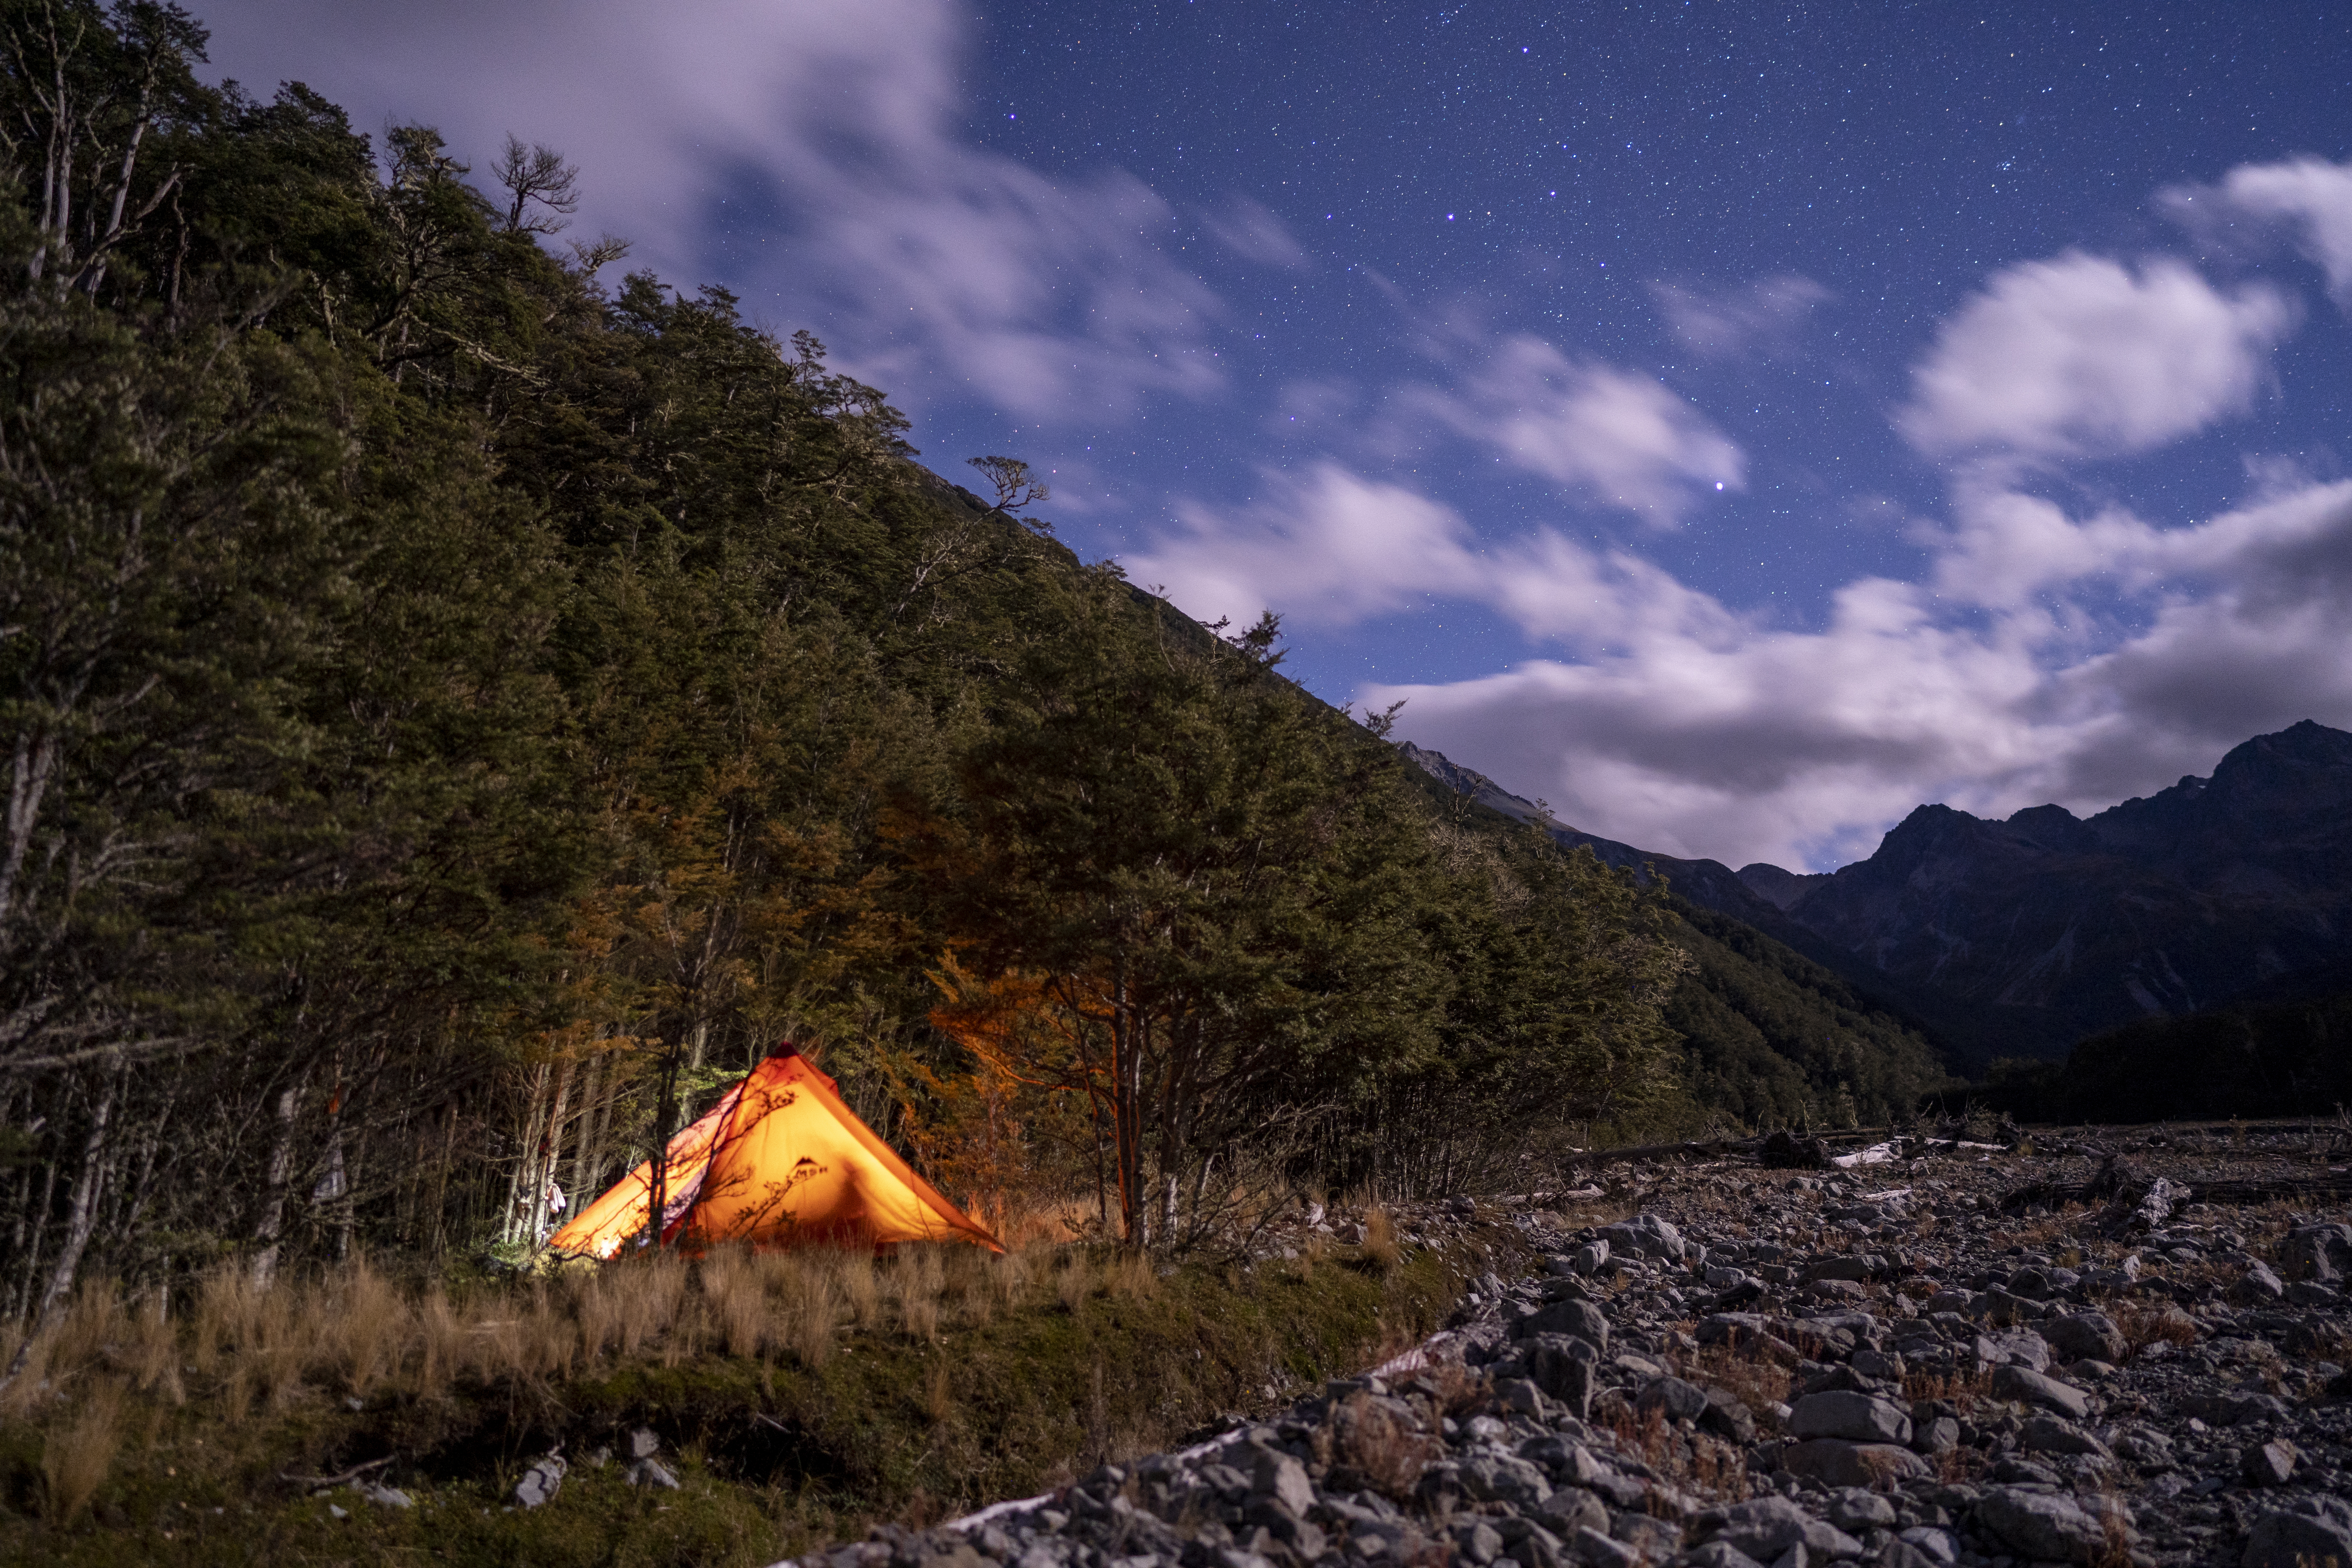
x=2126, y=1191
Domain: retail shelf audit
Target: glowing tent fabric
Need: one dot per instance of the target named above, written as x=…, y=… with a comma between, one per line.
x=779, y=1162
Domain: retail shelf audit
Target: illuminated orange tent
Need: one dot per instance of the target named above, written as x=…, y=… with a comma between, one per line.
x=779, y=1162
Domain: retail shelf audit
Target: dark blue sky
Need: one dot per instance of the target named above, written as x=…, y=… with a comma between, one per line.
x=1735, y=424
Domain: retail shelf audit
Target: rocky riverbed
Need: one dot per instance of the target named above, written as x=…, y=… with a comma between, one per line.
x=1933, y=1360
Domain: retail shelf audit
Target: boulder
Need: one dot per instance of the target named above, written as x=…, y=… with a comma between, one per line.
x=1765, y=1529
x=1854, y=1417
x=1680, y=1400
x=1283, y=1479
x=2321, y=1252
x=2033, y=1388
x=2306, y=1531
x=2083, y=1336
x=1579, y=1320
x=2039, y=1525
x=2052, y=1435
x=1834, y=1461
x=1563, y=1367
x=2271, y=1465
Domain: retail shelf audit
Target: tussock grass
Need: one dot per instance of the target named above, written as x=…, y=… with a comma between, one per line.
x=802, y=1394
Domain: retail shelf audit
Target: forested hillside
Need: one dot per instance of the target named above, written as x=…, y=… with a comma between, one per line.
x=463, y=700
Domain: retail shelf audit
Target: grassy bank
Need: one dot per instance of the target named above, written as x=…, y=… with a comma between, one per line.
x=797, y=1397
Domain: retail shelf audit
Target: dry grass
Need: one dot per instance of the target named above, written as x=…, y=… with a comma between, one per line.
x=1380, y=1244
x=1755, y=1382
x=79, y=1454
x=1962, y=1391
x=2145, y=1326
x=356, y=1332
x=1371, y=1438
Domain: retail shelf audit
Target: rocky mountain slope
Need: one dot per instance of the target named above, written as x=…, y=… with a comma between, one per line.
x=1914, y=1365
x=2021, y=936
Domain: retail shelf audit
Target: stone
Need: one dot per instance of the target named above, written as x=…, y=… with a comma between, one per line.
x=1279, y=1477
x=2271, y=1465
x=2305, y=1534
x=2014, y=1347
x=2039, y=1525
x=1680, y=1400
x=1476, y=1539
x=1844, y=1266
x=1768, y=1527
x=1577, y=1320
x=2033, y=1388
x=2083, y=1336
x=644, y=1444
x=651, y=1472
x=1855, y=1416
x=1591, y=1257
x=2320, y=1252
x=1570, y=1510
x=541, y=1482
x=1493, y=1477
x=2233, y=1407
x=1834, y=1461
x=1936, y=1434
x=386, y=1497
x=1719, y=1554
x=1932, y=1542
x=1727, y=1416
x=1591, y=1547
x=1563, y=1367
x=2053, y=1434
x=1645, y=1236
x=1854, y=1511
x=2259, y=1283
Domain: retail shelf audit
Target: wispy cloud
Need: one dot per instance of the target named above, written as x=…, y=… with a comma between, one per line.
x=1765, y=316
x=1251, y=230
x=2309, y=196
x=1609, y=434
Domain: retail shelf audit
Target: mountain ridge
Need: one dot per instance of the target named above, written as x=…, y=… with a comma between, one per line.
x=2019, y=936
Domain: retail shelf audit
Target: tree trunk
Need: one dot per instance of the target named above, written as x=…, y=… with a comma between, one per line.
x=549, y=1150
x=273, y=1202
x=81, y=1208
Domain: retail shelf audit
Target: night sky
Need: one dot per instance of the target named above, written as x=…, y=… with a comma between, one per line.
x=1733, y=425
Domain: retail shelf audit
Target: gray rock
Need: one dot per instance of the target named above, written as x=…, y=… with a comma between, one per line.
x=1834, y=1461
x=650, y=1472
x=1591, y=1547
x=2321, y=1252
x=2083, y=1336
x=2307, y=1532
x=1719, y=1554
x=1853, y=1510
x=1564, y=1367
x=1855, y=1416
x=2039, y=1525
x=1570, y=1510
x=2033, y=1388
x=1476, y=1539
x=1577, y=1320
x=2258, y=1283
x=1591, y=1258
x=1932, y=1542
x=2053, y=1434
x=1492, y=1478
x=1843, y=1265
x=1769, y=1526
x=1279, y=1477
x=2233, y=1407
x=1645, y=1236
x=1936, y=1434
x=1727, y=1417
x=386, y=1497
x=1680, y=1400
x=644, y=1444
x=2014, y=1347
x=541, y=1482
x=2271, y=1465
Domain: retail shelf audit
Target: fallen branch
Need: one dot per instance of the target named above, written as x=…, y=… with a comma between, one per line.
x=354, y=1473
